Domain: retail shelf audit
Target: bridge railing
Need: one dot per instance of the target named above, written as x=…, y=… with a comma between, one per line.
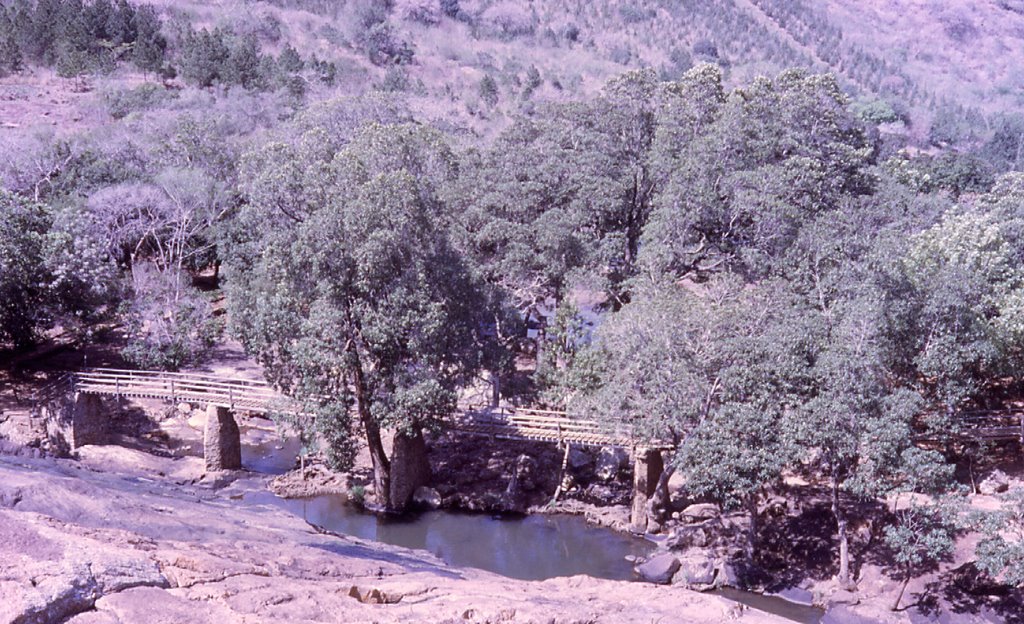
x=503, y=422
x=540, y=425
x=256, y=396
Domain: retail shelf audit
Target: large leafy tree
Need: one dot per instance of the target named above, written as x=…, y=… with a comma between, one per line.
x=566, y=191
x=744, y=171
x=701, y=367
x=355, y=294
x=23, y=228
x=53, y=268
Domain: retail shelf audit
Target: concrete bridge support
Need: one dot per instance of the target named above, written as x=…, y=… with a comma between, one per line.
x=647, y=469
x=74, y=421
x=222, y=443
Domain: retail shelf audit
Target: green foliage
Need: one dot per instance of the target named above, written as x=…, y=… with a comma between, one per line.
x=150, y=45
x=741, y=175
x=168, y=327
x=922, y=536
x=565, y=366
x=964, y=284
x=120, y=103
x=203, y=56
x=53, y=268
x=1000, y=553
x=874, y=111
x=358, y=291
x=289, y=60
x=23, y=228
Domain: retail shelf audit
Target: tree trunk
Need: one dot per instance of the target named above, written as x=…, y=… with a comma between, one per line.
x=658, y=503
x=410, y=468
x=495, y=387
x=379, y=459
x=899, y=596
x=754, y=527
x=841, y=531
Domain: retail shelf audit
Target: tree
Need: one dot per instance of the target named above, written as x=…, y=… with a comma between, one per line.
x=922, y=535
x=203, y=56
x=72, y=63
x=742, y=173
x=289, y=60
x=149, y=45
x=565, y=192
x=242, y=66
x=10, y=53
x=53, y=268
x=122, y=24
x=964, y=322
x=691, y=366
x=1001, y=551
x=489, y=91
x=23, y=228
x=360, y=297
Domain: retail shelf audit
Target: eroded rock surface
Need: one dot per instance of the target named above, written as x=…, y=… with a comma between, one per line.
x=90, y=547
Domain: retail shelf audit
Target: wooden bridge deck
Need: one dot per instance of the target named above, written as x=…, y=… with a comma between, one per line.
x=259, y=398
x=501, y=423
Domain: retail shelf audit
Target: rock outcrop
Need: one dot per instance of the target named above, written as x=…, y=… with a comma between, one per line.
x=87, y=547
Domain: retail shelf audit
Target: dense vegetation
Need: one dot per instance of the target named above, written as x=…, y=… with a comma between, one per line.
x=782, y=291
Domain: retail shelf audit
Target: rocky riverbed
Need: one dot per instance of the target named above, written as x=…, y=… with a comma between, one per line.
x=123, y=536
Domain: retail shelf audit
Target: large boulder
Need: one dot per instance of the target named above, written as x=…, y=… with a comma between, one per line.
x=580, y=460
x=611, y=460
x=659, y=569
x=693, y=535
x=700, y=512
x=222, y=444
x=995, y=483
x=426, y=497
x=697, y=571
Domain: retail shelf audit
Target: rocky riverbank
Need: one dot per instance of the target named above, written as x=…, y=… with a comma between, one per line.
x=122, y=536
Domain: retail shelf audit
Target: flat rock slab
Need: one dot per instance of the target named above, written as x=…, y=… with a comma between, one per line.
x=141, y=548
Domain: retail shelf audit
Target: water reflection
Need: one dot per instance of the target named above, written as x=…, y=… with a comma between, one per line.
x=529, y=548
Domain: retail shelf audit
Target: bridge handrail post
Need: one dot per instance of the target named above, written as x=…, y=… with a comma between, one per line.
x=231, y=397
x=172, y=391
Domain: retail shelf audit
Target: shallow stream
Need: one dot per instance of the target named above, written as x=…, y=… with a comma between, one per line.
x=533, y=547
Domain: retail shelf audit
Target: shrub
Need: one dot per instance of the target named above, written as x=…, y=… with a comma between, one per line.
x=489, y=90
x=423, y=11
x=632, y=13
x=383, y=47
x=122, y=102
x=170, y=325
x=508, y=21
x=396, y=79
x=705, y=48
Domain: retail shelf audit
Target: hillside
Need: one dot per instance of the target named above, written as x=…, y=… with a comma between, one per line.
x=927, y=60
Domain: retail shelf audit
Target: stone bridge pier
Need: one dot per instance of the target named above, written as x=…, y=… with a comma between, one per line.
x=647, y=468
x=222, y=443
x=74, y=420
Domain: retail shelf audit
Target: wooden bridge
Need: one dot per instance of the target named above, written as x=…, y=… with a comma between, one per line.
x=74, y=399
x=258, y=397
